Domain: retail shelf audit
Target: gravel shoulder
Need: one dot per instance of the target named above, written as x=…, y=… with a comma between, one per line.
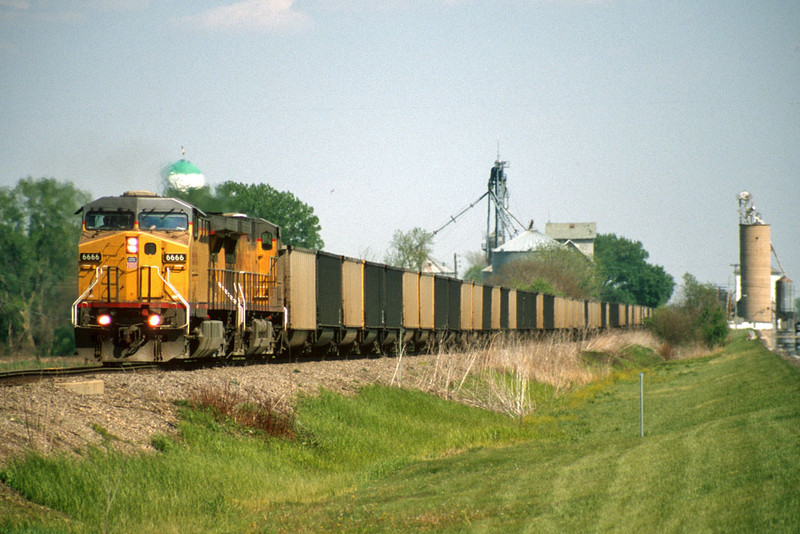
x=48, y=418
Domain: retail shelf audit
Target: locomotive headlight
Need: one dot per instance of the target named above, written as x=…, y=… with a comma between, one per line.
x=133, y=245
x=104, y=319
x=154, y=320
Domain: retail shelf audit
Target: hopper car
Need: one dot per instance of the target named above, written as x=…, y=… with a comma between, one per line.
x=161, y=280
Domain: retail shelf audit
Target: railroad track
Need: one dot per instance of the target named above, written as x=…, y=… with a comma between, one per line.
x=28, y=375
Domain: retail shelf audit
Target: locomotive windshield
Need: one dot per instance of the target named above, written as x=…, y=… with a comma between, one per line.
x=109, y=220
x=163, y=220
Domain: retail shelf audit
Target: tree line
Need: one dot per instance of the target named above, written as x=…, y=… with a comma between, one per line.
x=618, y=272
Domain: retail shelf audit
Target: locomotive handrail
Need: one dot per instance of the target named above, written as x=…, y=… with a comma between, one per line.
x=175, y=292
x=241, y=308
x=97, y=272
x=238, y=300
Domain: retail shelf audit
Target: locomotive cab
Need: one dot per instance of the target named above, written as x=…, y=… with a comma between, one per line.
x=133, y=277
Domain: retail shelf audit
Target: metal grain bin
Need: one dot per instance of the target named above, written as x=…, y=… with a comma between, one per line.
x=410, y=300
x=426, y=301
x=353, y=293
x=784, y=293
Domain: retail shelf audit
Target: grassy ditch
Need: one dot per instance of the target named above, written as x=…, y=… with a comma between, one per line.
x=720, y=453
x=222, y=476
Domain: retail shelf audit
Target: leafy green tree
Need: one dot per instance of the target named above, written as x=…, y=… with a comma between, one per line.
x=409, y=250
x=698, y=316
x=299, y=226
x=477, y=263
x=202, y=197
x=626, y=277
x=556, y=270
x=38, y=236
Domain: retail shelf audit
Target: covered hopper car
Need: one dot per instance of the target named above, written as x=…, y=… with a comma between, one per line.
x=160, y=280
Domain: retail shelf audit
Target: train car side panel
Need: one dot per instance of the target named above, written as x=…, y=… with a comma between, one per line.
x=353, y=293
x=466, y=306
x=410, y=300
x=512, y=309
x=426, y=306
x=300, y=274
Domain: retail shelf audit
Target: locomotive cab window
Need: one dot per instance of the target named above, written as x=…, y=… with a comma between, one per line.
x=266, y=241
x=169, y=220
x=109, y=220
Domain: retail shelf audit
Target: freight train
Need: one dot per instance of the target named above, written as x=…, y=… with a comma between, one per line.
x=160, y=280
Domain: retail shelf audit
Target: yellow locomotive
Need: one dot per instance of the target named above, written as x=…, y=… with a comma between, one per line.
x=160, y=279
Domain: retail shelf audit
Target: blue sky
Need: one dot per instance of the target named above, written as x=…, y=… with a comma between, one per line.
x=646, y=117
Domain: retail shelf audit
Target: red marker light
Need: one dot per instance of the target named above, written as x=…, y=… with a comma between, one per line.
x=104, y=319
x=133, y=245
x=154, y=320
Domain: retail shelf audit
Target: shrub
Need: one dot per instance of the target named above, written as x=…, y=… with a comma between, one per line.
x=697, y=318
x=262, y=414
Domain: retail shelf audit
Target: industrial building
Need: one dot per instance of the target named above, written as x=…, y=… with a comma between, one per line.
x=581, y=236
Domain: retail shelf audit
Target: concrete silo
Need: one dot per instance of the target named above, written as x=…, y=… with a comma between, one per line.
x=755, y=304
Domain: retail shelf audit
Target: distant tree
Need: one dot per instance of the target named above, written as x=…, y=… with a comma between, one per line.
x=409, y=250
x=698, y=316
x=299, y=226
x=38, y=239
x=625, y=276
x=201, y=197
x=477, y=263
x=555, y=270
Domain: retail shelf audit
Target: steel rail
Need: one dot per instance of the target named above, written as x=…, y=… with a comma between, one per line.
x=35, y=374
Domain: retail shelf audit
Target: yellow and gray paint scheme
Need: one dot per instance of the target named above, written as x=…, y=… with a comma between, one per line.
x=159, y=279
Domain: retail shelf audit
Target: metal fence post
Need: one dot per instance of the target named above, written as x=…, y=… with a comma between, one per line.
x=641, y=405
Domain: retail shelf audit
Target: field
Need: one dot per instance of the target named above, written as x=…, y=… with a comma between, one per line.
x=720, y=453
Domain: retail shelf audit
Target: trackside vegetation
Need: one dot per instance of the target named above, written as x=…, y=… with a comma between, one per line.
x=720, y=453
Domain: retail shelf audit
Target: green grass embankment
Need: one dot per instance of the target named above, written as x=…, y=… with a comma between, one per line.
x=720, y=453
